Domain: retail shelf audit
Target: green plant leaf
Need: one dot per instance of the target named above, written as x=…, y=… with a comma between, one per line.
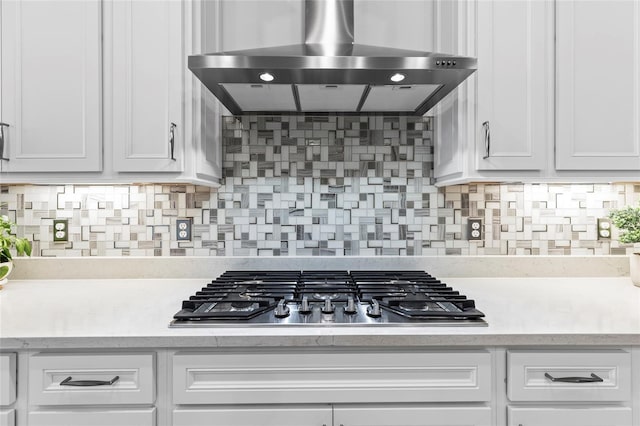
x=4, y=270
x=5, y=254
x=627, y=220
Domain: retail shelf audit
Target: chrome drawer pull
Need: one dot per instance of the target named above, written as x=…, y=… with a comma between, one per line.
x=2, y=126
x=592, y=379
x=68, y=382
x=487, y=140
x=172, y=140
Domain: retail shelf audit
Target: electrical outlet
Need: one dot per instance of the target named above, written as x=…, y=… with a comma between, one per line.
x=604, y=229
x=474, y=230
x=60, y=230
x=183, y=229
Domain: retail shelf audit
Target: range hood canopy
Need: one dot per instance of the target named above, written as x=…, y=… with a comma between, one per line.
x=329, y=73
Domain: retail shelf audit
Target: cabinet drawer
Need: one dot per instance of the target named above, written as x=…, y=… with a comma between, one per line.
x=327, y=377
x=7, y=379
x=583, y=416
x=7, y=417
x=408, y=415
x=530, y=375
x=48, y=372
x=252, y=416
x=93, y=417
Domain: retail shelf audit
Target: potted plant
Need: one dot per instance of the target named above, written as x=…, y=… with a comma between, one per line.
x=7, y=242
x=627, y=220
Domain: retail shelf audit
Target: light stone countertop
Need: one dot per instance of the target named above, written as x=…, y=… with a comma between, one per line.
x=135, y=313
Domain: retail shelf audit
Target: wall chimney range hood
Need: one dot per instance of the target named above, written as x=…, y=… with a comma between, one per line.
x=329, y=73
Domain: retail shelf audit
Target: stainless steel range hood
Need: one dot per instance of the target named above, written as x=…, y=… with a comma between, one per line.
x=329, y=73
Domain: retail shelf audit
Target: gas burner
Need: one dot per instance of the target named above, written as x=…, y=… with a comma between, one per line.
x=326, y=296
x=244, y=306
x=416, y=306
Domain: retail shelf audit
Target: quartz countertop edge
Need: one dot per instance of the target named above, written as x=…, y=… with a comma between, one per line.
x=525, y=311
x=211, y=267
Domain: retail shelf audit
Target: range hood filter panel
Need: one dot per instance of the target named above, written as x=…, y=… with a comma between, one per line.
x=325, y=97
x=398, y=98
x=261, y=97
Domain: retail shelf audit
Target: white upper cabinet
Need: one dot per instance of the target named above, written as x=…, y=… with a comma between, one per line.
x=77, y=72
x=148, y=68
x=499, y=123
x=514, y=121
x=51, y=85
x=556, y=96
x=598, y=85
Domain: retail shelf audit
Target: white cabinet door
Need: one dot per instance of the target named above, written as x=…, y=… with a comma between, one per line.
x=411, y=416
x=148, y=67
x=598, y=85
x=94, y=417
x=7, y=417
x=52, y=85
x=514, y=84
x=252, y=416
x=7, y=379
x=559, y=416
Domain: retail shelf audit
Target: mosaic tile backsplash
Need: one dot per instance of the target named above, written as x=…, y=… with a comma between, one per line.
x=321, y=186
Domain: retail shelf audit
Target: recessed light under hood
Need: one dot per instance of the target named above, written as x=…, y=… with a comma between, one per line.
x=329, y=73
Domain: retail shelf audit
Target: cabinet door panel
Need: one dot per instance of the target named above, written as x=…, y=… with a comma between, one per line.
x=93, y=417
x=515, y=84
x=318, y=377
x=7, y=379
x=135, y=383
x=300, y=416
x=598, y=85
x=7, y=417
x=147, y=86
x=528, y=380
x=583, y=416
x=52, y=85
x=412, y=416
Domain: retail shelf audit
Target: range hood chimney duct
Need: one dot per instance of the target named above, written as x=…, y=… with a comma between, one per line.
x=328, y=22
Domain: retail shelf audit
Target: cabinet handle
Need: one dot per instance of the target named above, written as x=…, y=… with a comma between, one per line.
x=592, y=379
x=2, y=126
x=172, y=140
x=68, y=382
x=487, y=140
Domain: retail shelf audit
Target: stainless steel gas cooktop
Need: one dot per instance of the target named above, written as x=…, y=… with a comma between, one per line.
x=327, y=298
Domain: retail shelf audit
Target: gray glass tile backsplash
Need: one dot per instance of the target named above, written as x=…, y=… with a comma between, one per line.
x=321, y=185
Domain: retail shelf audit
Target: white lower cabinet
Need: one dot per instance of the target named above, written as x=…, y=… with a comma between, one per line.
x=7, y=417
x=7, y=379
x=563, y=416
x=324, y=387
x=8, y=384
x=91, y=379
x=94, y=417
x=411, y=416
x=254, y=416
x=308, y=377
x=569, y=387
x=357, y=387
x=598, y=375
x=97, y=389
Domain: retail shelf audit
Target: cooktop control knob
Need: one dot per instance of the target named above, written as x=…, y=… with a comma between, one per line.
x=282, y=311
x=305, y=308
x=374, y=309
x=328, y=307
x=350, y=309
